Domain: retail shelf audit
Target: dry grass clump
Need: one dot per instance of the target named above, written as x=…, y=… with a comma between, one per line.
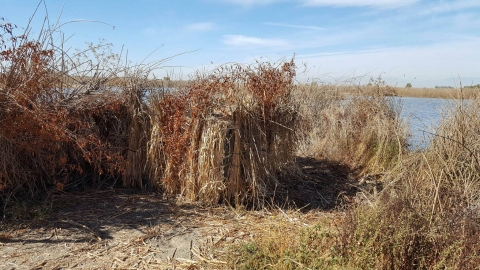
x=398, y=233
x=287, y=244
x=428, y=216
x=313, y=99
x=74, y=119
x=56, y=131
x=362, y=129
x=225, y=136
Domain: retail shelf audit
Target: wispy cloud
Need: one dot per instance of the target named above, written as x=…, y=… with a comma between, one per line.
x=309, y=27
x=245, y=41
x=446, y=7
x=363, y=3
x=204, y=26
x=420, y=61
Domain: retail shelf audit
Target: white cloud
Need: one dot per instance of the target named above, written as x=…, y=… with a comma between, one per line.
x=446, y=7
x=430, y=62
x=309, y=27
x=204, y=26
x=360, y=3
x=245, y=41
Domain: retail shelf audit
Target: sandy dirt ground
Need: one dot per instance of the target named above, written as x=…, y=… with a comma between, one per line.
x=112, y=230
x=125, y=229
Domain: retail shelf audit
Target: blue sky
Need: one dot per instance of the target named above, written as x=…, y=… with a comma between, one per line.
x=426, y=43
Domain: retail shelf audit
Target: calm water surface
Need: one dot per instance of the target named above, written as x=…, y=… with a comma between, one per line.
x=423, y=115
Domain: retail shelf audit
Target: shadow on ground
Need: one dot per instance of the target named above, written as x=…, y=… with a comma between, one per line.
x=121, y=228
x=316, y=184
x=91, y=216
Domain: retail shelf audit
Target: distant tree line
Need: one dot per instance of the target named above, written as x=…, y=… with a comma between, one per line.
x=473, y=86
x=451, y=87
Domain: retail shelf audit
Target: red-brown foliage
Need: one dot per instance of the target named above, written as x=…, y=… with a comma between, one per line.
x=245, y=153
x=44, y=137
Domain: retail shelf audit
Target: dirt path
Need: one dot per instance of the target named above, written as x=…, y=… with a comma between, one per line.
x=115, y=229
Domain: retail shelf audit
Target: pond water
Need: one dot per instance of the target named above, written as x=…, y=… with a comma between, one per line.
x=423, y=115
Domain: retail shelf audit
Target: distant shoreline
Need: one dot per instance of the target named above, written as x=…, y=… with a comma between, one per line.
x=445, y=93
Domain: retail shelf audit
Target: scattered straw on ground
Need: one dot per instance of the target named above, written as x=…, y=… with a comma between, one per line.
x=125, y=229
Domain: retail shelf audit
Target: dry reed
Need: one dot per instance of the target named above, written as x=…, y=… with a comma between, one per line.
x=65, y=122
x=432, y=201
x=362, y=129
x=224, y=137
x=427, y=214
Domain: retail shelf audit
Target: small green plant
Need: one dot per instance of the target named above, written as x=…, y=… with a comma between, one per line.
x=409, y=85
x=28, y=208
x=287, y=246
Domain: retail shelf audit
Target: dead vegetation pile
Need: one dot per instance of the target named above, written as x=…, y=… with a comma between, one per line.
x=75, y=120
x=51, y=132
x=224, y=137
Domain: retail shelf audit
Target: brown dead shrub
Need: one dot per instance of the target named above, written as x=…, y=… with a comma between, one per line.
x=50, y=129
x=221, y=137
x=224, y=136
